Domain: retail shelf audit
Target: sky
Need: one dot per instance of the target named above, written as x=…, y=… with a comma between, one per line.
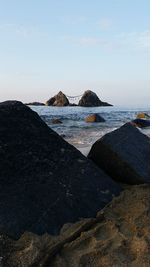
x=52, y=45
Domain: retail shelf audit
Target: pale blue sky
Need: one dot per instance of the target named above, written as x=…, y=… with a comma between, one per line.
x=47, y=46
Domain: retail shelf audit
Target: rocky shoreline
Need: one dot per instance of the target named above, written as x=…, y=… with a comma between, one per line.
x=50, y=195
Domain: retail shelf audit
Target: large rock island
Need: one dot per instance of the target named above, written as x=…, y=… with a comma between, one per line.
x=90, y=99
x=59, y=100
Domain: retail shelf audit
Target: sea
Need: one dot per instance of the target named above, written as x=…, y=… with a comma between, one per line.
x=81, y=134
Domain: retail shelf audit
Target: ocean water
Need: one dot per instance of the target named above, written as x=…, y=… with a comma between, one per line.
x=79, y=133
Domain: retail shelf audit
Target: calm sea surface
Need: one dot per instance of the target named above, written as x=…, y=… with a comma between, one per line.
x=79, y=133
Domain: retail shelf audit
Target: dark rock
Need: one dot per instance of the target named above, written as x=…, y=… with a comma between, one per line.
x=94, y=118
x=90, y=99
x=35, y=104
x=141, y=123
x=42, y=183
x=56, y=121
x=124, y=154
x=59, y=100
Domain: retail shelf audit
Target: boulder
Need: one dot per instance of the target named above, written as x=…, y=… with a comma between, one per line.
x=56, y=121
x=44, y=181
x=35, y=104
x=94, y=118
x=90, y=99
x=124, y=154
x=59, y=100
x=142, y=115
x=141, y=123
x=118, y=236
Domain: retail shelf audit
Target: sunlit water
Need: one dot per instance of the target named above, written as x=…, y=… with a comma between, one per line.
x=79, y=133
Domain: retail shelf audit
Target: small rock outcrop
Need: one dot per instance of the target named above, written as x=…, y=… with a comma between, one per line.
x=124, y=154
x=142, y=115
x=73, y=105
x=44, y=181
x=35, y=104
x=94, y=118
x=90, y=99
x=59, y=100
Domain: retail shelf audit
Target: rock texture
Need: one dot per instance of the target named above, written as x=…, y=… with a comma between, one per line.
x=44, y=181
x=94, y=118
x=119, y=236
x=59, y=100
x=124, y=154
x=90, y=99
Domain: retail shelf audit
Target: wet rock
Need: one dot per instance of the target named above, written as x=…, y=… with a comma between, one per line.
x=141, y=123
x=94, y=118
x=90, y=99
x=56, y=121
x=42, y=188
x=142, y=115
x=59, y=100
x=124, y=154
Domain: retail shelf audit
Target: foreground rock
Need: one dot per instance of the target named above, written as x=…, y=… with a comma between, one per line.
x=44, y=181
x=94, y=118
x=59, y=100
x=119, y=236
x=124, y=154
x=90, y=99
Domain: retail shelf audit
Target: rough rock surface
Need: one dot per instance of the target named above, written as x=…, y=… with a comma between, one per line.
x=90, y=99
x=118, y=237
x=59, y=100
x=44, y=181
x=94, y=118
x=124, y=154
